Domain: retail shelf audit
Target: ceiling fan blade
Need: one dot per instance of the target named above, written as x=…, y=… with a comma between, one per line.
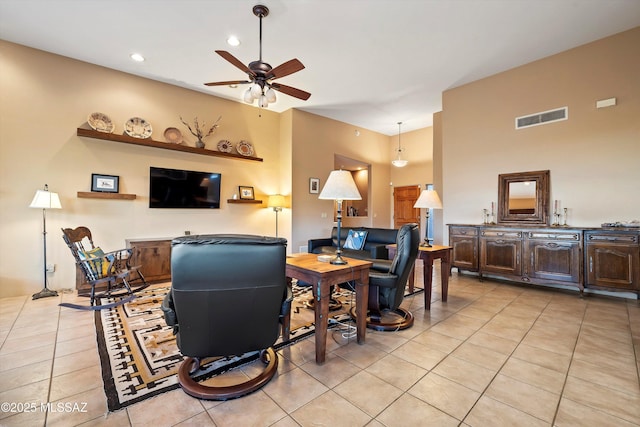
x=232, y=82
x=235, y=61
x=291, y=91
x=289, y=67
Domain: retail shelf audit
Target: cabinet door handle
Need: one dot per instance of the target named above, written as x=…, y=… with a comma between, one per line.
x=590, y=264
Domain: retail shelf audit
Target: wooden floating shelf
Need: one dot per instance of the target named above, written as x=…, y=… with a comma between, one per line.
x=255, y=202
x=96, y=195
x=159, y=144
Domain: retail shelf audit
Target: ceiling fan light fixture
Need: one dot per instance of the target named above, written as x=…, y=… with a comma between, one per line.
x=260, y=74
x=256, y=90
x=271, y=95
x=248, y=97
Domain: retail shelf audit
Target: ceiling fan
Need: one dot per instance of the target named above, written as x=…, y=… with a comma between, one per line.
x=262, y=75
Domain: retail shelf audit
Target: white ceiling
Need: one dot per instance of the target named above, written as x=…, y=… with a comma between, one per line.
x=368, y=63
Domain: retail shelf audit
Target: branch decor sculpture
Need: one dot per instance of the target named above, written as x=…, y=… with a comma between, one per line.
x=198, y=130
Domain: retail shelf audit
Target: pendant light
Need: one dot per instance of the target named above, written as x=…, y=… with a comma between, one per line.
x=398, y=161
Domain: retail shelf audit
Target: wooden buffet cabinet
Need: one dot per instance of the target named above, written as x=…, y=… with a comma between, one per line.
x=154, y=255
x=612, y=259
x=598, y=258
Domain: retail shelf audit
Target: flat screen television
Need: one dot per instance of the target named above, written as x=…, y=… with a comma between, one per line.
x=176, y=188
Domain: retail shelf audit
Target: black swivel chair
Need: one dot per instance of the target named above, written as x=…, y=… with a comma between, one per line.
x=229, y=296
x=387, y=282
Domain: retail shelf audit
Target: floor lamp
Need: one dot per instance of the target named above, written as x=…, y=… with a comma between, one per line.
x=428, y=200
x=339, y=186
x=277, y=203
x=45, y=199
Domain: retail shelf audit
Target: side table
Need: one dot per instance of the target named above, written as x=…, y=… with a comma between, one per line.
x=428, y=254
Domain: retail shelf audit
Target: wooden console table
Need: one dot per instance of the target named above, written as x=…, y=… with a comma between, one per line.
x=428, y=255
x=598, y=258
x=323, y=275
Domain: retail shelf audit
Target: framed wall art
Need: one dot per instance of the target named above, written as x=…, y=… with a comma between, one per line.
x=246, y=193
x=105, y=183
x=314, y=185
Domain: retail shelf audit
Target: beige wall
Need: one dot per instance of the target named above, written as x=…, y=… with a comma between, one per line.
x=315, y=141
x=438, y=175
x=593, y=156
x=417, y=147
x=44, y=98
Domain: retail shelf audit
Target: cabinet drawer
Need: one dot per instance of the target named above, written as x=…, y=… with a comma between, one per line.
x=550, y=235
x=625, y=239
x=503, y=234
x=463, y=231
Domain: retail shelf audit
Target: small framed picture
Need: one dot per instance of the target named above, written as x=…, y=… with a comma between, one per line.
x=105, y=183
x=314, y=185
x=246, y=193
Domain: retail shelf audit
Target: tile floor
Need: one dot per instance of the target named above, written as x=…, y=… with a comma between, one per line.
x=493, y=355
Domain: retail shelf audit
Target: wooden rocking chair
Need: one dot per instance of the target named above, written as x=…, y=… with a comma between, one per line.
x=111, y=269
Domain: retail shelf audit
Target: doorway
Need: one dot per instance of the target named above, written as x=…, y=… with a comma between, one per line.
x=403, y=200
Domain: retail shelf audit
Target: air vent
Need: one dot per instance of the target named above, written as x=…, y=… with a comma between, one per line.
x=542, y=118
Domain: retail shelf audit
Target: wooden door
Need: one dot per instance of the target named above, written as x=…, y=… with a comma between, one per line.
x=403, y=200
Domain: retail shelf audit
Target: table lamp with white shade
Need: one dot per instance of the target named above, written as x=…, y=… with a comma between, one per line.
x=428, y=200
x=45, y=199
x=339, y=186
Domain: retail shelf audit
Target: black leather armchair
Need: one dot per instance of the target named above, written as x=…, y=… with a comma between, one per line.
x=229, y=296
x=387, y=282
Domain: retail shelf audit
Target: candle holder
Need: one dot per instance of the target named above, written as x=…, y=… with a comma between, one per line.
x=493, y=214
x=564, y=223
x=556, y=214
x=485, y=216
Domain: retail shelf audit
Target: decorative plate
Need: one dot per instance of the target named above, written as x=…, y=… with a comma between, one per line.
x=100, y=122
x=245, y=148
x=225, y=146
x=138, y=128
x=173, y=135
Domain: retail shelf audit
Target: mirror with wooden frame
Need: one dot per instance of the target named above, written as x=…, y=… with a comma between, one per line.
x=523, y=198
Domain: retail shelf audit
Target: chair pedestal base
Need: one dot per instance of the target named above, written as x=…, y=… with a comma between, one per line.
x=199, y=391
x=404, y=320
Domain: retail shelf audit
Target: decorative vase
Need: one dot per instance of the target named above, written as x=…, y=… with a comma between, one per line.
x=199, y=143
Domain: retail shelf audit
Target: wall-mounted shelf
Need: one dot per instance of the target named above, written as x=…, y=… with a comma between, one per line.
x=255, y=202
x=158, y=144
x=96, y=195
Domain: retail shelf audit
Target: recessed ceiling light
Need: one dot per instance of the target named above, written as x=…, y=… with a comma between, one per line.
x=137, y=57
x=233, y=41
